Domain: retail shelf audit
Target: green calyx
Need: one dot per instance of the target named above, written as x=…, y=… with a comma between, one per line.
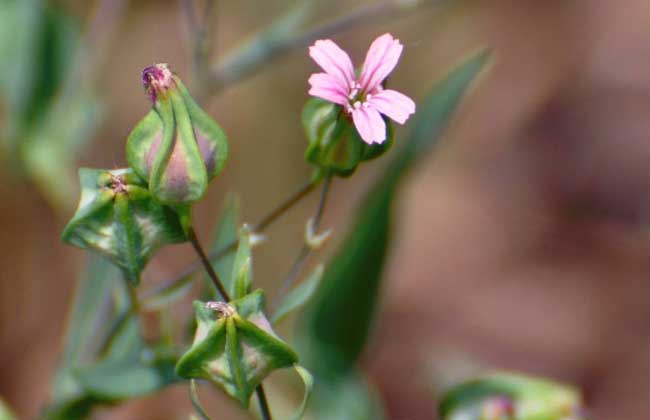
x=511, y=396
x=118, y=217
x=177, y=147
x=334, y=144
x=234, y=346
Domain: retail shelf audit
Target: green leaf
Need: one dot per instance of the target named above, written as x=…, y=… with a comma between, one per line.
x=117, y=380
x=164, y=297
x=242, y=266
x=349, y=397
x=51, y=112
x=94, y=289
x=5, y=412
x=299, y=296
x=351, y=283
x=234, y=347
x=119, y=218
x=532, y=398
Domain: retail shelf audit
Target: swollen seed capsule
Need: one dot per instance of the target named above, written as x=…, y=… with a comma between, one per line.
x=178, y=148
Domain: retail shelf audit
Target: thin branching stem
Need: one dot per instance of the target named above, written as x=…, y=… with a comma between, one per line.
x=264, y=404
x=207, y=265
x=260, y=226
x=122, y=319
x=305, y=252
x=285, y=35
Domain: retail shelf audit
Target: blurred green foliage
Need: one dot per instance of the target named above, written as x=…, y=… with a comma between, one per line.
x=50, y=110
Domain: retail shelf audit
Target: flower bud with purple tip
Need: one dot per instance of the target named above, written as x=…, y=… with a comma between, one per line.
x=177, y=147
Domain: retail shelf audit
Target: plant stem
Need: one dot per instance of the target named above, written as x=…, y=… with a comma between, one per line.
x=258, y=227
x=207, y=265
x=264, y=404
x=201, y=40
x=261, y=395
x=284, y=35
x=306, y=250
x=122, y=319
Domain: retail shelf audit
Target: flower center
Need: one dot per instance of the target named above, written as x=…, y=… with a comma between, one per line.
x=358, y=98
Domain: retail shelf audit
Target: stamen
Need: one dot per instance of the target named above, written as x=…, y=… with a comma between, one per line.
x=353, y=94
x=357, y=105
x=368, y=97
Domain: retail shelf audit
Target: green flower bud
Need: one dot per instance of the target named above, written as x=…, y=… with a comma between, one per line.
x=334, y=143
x=177, y=147
x=118, y=217
x=234, y=346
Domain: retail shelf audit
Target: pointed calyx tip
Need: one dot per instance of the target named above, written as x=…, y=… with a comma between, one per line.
x=156, y=80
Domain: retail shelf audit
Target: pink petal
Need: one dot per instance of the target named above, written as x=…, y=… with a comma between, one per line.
x=333, y=60
x=381, y=59
x=393, y=104
x=369, y=124
x=328, y=87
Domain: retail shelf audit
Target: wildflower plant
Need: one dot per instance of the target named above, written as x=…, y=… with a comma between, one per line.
x=173, y=153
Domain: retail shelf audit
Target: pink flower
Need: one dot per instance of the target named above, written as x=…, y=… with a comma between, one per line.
x=364, y=98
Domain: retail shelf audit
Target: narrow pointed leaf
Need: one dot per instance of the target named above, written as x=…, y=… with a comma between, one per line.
x=299, y=296
x=242, y=266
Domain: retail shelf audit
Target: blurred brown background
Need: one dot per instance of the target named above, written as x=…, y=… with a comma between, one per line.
x=520, y=244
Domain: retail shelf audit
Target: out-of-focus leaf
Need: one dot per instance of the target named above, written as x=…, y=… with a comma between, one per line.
x=532, y=398
x=90, y=303
x=117, y=380
x=50, y=111
x=164, y=297
x=51, y=147
x=299, y=296
x=196, y=402
x=5, y=412
x=347, y=398
x=348, y=294
x=242, y=268
x=225, y=234
x=90, y=310
x=126, y=343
